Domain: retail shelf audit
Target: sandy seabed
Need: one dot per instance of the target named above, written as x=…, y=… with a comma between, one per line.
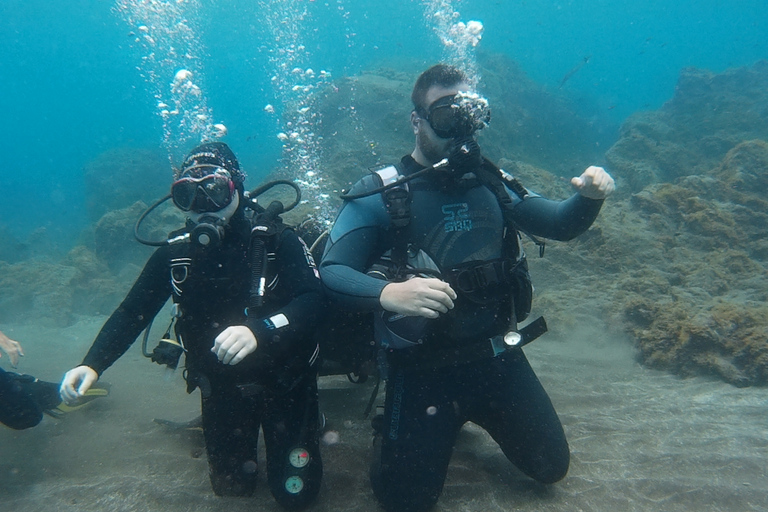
x=640, y=440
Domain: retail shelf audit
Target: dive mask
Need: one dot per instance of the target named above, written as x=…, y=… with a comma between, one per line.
x=203, y=188
x=460, y=115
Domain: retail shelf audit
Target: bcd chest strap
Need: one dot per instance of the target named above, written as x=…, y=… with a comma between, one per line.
x=397, y=199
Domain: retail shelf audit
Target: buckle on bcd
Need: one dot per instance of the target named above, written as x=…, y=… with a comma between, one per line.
x=480, y=277
x=519, y=338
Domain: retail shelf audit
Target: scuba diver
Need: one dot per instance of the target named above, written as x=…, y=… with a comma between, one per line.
x=24, y=398
x=246, y=298
x=432, y=246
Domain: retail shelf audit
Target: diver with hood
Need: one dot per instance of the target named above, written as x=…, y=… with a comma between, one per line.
x=246, y=298
x=432, y=246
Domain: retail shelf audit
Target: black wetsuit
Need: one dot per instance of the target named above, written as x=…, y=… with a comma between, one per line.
x=453, y=223
x=275, y=387
x=23, y=399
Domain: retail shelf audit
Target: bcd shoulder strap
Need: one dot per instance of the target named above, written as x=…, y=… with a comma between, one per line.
x=497, y=180
x=397, y=200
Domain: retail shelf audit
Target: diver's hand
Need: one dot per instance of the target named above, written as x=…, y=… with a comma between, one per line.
x=594, y=183
x=12, y=348
x=76, y=382
x=234, y=343
x=420, y=296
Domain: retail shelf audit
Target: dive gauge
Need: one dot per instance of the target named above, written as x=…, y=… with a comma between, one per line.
x=299, y=457
x=294, y=484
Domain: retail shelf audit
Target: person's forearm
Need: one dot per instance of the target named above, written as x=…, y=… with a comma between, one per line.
x=557, y=220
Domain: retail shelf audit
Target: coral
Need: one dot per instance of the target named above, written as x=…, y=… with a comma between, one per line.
x=727, y=340
x=56, y=294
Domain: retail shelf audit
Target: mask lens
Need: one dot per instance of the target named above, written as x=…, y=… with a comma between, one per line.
x=458, y=116
x=208, y=193
x=447, y=122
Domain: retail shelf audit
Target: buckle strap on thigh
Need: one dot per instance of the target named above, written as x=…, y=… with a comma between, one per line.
x=470, y=353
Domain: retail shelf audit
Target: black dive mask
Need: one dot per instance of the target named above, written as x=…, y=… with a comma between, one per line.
x=203, y=188
x=459, y=115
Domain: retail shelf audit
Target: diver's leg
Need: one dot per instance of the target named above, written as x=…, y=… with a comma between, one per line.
x=517, y=412
x=231, y=431
x=415, y=442
x=291, y=439
x=18, y=408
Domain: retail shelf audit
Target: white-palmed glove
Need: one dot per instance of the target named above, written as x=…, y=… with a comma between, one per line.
x=76, y=382
x=594, y=182
x=427, y=297
x=234, y=343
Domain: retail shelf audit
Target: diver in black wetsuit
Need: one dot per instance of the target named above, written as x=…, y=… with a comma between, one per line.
x=248, y=348
x=457, y=284
x=24, y=398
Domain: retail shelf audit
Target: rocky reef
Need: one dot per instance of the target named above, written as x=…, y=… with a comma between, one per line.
x=709, y=115
x=91, y=279
x=711, y=314
x=54, y=294
x=119, y=177
x=679, y=255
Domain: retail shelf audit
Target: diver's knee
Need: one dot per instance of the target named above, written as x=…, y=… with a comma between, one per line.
x=555, y=470
x=398, y=493
x=423, y=502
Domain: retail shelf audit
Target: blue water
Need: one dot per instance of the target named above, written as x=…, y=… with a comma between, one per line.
x=71, y=87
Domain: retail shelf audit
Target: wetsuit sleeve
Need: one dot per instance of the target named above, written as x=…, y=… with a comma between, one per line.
x=292, y=325
x=147, y=296
x=557, y=220
x=357, y=238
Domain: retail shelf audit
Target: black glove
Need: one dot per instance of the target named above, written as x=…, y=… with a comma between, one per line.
x=465, y=155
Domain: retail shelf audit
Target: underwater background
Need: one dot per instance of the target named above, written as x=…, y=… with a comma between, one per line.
x=76, y=83
x=657, y=355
